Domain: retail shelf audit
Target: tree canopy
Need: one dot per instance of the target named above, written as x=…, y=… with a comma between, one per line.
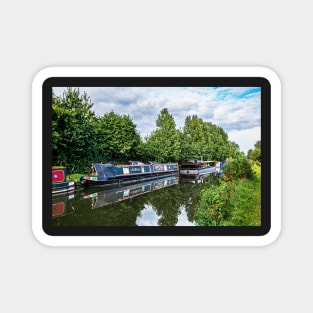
x=117, y=138
x=164, y=143
x=72, y=128
x=80, y=137
x=255, y=154
x=205, y=140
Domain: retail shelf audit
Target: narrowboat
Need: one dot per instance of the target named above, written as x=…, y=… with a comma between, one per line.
x=59, y=182
x=194, y=168
x=108, y=173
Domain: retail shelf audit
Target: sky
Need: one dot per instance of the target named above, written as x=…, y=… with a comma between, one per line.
x=236, y=109
x=149, y=217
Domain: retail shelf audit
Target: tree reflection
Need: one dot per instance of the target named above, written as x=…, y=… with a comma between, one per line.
x=167, y=203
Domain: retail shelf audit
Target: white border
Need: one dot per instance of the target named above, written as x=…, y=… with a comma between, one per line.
x=42, y=237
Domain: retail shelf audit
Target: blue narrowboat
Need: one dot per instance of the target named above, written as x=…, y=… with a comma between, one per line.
x=108, y=173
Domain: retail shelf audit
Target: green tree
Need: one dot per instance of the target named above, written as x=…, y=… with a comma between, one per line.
x=194, y=138
x=255, y=154
x=117, y=138
x=163, y=144
x=205, y=140
x=73, y=123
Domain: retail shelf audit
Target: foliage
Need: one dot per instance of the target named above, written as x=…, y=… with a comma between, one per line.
x=237, y=168
x=72, y=129
x=205, y=140
x=164, y=143
x=236, y=203
x=80, y=138
x=255, y=154
x=245, y=204
x=117, y=138
x=214, y=205
x=75, y=176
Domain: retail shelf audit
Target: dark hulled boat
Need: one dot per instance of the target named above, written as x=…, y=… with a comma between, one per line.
x=59, y=183
x=109, y=173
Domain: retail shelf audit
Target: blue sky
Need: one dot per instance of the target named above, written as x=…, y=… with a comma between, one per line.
x=236, y=109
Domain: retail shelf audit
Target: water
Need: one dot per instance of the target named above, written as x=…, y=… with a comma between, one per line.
x=161, y=202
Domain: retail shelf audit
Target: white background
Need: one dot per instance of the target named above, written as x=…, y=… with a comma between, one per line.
x=38, y=34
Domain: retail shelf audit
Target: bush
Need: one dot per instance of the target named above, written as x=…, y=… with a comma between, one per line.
x=214, y=205
x=237, y=168
x=235, y=203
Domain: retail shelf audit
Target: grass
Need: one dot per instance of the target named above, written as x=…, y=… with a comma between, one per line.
x=236, y=203
x=75, y=177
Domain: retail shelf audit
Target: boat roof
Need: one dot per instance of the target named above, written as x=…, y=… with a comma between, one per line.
x=104, y=170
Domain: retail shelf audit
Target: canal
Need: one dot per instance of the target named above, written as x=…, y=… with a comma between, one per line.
x=162, y=202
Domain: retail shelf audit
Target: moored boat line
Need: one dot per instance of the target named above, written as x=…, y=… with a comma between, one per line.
x=108, y=173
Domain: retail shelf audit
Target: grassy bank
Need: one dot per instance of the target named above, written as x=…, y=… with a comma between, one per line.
x=235, y=203
x=75, y=177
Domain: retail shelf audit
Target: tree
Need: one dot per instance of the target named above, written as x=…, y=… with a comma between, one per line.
x=194, y=138
x=117, y=138
x=163, y=144
x=72, y=129
x=255, y=154
x=205, y=140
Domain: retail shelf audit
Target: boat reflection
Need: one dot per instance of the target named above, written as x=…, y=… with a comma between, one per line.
x=200, y=179
x=61, y=205
x=102, y=198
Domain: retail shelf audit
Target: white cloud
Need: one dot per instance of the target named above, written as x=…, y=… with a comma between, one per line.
x=245, y=138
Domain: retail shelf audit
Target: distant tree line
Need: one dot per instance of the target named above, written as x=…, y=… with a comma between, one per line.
x=80, y=137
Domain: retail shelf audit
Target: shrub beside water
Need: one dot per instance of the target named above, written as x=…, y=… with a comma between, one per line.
x=214, y=205
x=237, y=168
x=236, y=201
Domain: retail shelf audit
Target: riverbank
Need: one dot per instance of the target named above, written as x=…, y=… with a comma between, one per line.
x=234, y=203
x=75, y=177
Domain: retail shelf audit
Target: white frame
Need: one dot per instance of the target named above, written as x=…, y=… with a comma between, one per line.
x=270, y=237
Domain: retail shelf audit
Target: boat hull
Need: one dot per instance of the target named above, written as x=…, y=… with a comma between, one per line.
x=64, y=187
x=59, y=183
x=197, y=169
x=197, y=172
x=107, y=174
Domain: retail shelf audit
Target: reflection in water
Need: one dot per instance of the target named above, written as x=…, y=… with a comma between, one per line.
x=149, y=217
x=111, y=196
x=61, y=205
x=161, y=202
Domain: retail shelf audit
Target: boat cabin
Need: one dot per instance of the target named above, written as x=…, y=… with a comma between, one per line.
x=195, y=163
x=59, y=182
